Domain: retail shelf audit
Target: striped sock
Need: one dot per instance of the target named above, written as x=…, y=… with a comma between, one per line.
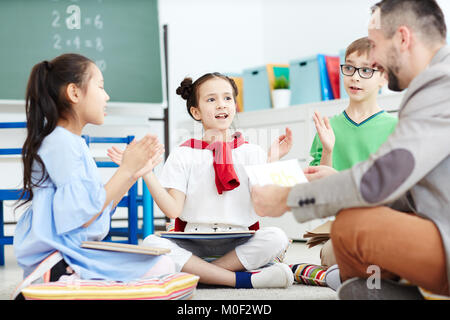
x=244, y=280
x=309, y=274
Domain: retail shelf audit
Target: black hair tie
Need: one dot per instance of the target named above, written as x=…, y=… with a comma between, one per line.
x=48, y=66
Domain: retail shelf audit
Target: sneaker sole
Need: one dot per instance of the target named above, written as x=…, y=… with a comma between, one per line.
x=356, y=289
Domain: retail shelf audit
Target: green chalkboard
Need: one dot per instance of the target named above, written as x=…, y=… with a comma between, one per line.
x=121, y=36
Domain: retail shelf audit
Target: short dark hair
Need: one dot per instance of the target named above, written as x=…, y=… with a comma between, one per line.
x=360, y=46
x=423, y=16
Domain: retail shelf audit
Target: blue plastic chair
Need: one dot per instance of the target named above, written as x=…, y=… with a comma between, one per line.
x=131, y=201
x=8, y=194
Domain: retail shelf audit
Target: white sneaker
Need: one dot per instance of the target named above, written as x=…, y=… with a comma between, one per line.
x=278, y=275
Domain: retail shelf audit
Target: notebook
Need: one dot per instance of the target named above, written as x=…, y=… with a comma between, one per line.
x=124, y=247
x=319, y=235
x=284, y=173
x=333, y=69
x=327, y=92
x=205, y=235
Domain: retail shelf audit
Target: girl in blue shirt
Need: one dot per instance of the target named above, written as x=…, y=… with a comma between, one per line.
x=68, y=203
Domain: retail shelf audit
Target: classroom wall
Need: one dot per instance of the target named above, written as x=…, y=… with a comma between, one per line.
x=229, y=36
x=297, y=28
x=208, y=36
x=226, y=36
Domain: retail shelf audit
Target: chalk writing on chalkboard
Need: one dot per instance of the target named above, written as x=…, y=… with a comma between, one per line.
x=72, y=19
x=121, y=37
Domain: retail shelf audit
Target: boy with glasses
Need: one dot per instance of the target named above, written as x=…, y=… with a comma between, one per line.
x=357, y=132
x=363, y=127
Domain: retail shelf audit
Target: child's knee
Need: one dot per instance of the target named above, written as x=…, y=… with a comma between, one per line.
x=277, y=240
x=177, y=254
x=163, y=266
x=265, y=246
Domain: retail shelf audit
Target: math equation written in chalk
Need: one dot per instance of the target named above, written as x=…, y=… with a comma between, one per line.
x=72, y=16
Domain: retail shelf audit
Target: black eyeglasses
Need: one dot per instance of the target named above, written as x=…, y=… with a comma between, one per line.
x=364, y=72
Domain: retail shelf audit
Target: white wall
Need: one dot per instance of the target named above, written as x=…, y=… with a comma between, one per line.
x=225, y=36
x=229, y=36
x=295, y=29
x=208, y=36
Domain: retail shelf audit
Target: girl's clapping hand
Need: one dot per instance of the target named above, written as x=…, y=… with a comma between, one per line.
x=140, y=157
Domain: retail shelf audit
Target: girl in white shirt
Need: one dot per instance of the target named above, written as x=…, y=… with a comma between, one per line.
x=204, y=187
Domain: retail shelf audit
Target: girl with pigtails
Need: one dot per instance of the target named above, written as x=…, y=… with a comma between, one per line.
x=204, y=187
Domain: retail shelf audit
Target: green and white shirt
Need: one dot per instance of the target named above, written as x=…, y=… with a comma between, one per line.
x=355, y=142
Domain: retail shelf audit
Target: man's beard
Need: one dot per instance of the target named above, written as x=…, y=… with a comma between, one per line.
x=393, y=83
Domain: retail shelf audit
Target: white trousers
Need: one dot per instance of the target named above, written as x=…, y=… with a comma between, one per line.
x=255, y=252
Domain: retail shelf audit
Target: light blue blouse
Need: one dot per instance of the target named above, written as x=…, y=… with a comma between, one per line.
x=70, y=197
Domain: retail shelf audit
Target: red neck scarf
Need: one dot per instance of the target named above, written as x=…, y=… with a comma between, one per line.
x=226, y=177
